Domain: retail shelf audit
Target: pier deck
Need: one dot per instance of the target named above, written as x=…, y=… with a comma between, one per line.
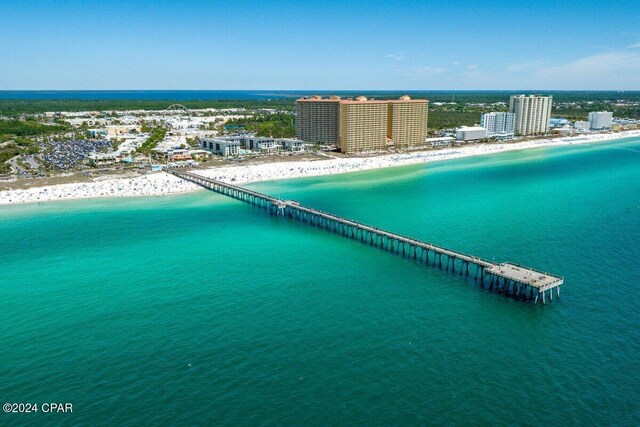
x=507, y=278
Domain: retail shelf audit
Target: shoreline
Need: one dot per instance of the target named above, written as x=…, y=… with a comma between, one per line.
x=162, y=183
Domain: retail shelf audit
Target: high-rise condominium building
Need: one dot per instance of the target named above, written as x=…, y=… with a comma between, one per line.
x=600, y=120
x=363, y=124
x=532, y=113
x=317, y=119
x=499, y=124
x=407, y=121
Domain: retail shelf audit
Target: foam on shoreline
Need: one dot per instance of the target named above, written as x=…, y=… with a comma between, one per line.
x=160, y=184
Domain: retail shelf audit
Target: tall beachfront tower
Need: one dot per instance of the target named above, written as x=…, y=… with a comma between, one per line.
x=407, y=122
x=317, y=119
x=532, y=113
x=361, y=125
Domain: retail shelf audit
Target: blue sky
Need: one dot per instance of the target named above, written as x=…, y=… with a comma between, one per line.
x=329, y=45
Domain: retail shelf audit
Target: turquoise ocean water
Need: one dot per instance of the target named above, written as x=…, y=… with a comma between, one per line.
x=199, y=309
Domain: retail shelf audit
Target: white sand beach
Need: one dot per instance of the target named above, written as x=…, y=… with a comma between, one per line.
x=162, y=183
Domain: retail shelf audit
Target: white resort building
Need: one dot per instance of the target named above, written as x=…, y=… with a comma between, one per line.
x=223, y=147
x=471, y=133
x=499, y=124
x=600, y=120
x=581, y=125
x=532, y=113
x=260, y=144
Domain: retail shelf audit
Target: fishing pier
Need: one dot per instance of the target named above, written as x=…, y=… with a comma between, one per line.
x=506, y=278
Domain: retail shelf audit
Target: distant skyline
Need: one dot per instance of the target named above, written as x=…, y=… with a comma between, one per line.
x=286, y=45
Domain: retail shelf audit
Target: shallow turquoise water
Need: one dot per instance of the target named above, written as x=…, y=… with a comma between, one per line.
x=200, y=309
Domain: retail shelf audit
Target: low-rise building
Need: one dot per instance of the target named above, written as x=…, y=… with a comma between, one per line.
x=471, y=133
x=581, y=125
x=171, y=148
x=558, y=122
x=259, y=143
x=200, y=154
x=223, y=147
x=565, y=130
x=179, y=154
x=86, y=121
x=270, y=145
x=625, y=125
x=102, y=159
x=294, y=145
x=441, y=141
x=266, y=145
x=96, y=133
x=117, y=130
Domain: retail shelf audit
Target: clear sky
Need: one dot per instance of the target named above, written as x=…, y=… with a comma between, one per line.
x=350, y=45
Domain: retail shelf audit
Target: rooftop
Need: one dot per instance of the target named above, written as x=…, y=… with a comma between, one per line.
x=359, y=99
x=471, y=128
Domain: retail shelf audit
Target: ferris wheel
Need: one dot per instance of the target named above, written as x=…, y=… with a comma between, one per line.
x=177, y=108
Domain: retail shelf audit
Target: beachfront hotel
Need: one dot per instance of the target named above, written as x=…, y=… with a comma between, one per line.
x=407, y=121
x=471, y=133
x=499, y=124
x=532, y=113
x=317, y=119
x=362, y=124
x=600, y=120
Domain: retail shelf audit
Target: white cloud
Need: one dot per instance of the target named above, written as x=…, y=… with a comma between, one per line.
x=456, y=63
x=396, y=56
x=619, y=70
x=634, y=46
x=602, y=71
